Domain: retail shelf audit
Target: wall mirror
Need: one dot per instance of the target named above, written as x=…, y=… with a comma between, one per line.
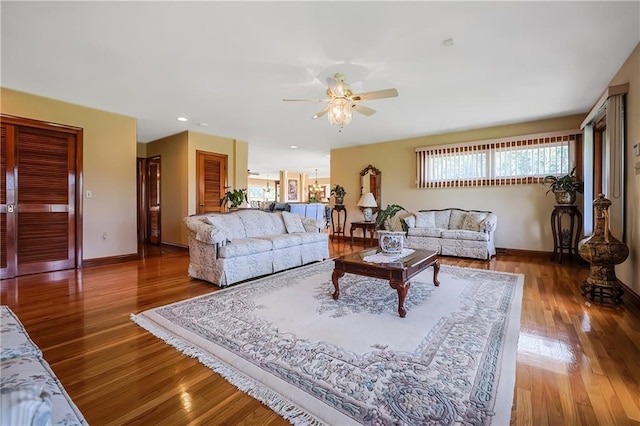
x=371, y=181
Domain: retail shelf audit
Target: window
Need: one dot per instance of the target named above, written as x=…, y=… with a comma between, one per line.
x=520, y=160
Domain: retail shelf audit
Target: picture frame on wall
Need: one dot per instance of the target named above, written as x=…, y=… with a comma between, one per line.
x=292, y=190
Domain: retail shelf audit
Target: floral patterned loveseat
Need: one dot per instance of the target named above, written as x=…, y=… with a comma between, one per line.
x=31, y=394
x=231, y=247
x=453, y=232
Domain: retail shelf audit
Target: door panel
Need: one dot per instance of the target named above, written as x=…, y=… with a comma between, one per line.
x=153, y=189
x=45, y=196
x=211, y=177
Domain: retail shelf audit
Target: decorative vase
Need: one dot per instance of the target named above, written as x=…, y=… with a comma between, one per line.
x=391, y=242
x=603, y=252
x=565, y=197
x=339, y=200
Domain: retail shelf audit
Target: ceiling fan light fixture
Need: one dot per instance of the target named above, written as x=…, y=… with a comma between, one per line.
x=339, y=113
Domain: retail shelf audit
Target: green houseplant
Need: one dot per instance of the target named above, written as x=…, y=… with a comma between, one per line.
x=383, y=219
x=564, y=187
x=235, y=197
x=339, y=192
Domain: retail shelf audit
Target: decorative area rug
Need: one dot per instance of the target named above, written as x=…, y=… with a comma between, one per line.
x=315, y=360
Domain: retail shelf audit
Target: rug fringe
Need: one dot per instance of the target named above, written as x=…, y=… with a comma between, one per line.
x=276, y=402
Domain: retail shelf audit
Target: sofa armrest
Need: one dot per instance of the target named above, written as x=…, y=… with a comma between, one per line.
x=490, y=223
x=204, y=231
x=312, y=225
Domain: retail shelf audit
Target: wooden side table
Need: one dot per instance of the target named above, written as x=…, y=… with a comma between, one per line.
x=338, y=220
x=565, y=239
x=370, y=226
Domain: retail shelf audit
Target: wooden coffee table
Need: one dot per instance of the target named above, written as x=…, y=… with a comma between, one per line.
x=398, y=272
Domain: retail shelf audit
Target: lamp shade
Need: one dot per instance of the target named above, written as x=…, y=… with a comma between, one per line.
x=367, y=200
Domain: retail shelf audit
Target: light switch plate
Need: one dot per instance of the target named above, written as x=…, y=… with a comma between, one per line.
x=636, y=150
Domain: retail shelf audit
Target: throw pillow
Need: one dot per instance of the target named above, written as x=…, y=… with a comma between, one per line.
x=457, y=219
x=293, y=222
x=473, y=220
x=410, y=221
x=220, y=227
x=425, y=220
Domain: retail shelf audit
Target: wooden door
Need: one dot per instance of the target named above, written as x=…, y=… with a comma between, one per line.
x=40, y=203
x=7, y=267
x=211, y=171
x=154, y=216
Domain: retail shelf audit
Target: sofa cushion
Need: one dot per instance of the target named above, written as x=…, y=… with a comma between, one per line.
x=277, y=222
x=313, y=237
x=256, y=223
x=425, y=232
x=221, y=231
x=244, y=247
x=425, y=220
x=15, y=340
x=283, y=240
x=456, y=219
x=462, y=234
x=473, y=221
x=33, y=371
x=293, y=222
x=234, y=225
x=442, y=218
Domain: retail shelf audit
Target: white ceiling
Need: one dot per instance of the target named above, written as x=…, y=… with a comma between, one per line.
x=229, y=64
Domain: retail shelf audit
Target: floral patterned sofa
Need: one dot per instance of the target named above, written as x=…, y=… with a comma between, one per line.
x=453, y=232
x=31, y=394
x=232, y=247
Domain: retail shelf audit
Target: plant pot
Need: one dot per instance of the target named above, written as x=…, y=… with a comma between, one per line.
x=391, y=242
x=565, y=197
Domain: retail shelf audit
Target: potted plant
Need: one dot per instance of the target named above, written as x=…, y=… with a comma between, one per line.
x=383, y=219
x=339, y=192
x=236, y=197
x=564, y=187
x=391, y=242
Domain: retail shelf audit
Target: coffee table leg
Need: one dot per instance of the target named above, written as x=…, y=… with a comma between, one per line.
x=334, y=277
x=436, y=269
x=402, y=289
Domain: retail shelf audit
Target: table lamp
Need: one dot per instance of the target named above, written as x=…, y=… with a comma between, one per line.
x=367, y=201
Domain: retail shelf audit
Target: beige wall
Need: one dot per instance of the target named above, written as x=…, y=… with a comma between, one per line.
x=173, y=185
x=109, y=168
x=629, y=271
x=141, y=150
x=523, y=210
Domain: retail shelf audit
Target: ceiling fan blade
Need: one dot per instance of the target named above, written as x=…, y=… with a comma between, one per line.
x=378, y=94
x=364, y=110
x=321, y=113
x=305, y=100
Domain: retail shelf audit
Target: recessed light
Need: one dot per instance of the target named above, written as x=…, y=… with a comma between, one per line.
x=183, y=119
x=294, y=146
x=203, y=125
x=447, y=42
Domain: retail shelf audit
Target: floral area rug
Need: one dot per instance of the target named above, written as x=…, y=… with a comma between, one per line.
x=315, y=360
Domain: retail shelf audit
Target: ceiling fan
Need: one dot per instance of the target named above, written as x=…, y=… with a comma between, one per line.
x=342, y=100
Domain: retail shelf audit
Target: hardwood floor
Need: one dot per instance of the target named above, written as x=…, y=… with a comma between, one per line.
x=578, y=363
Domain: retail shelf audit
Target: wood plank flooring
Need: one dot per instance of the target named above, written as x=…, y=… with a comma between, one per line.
x=578, y=363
